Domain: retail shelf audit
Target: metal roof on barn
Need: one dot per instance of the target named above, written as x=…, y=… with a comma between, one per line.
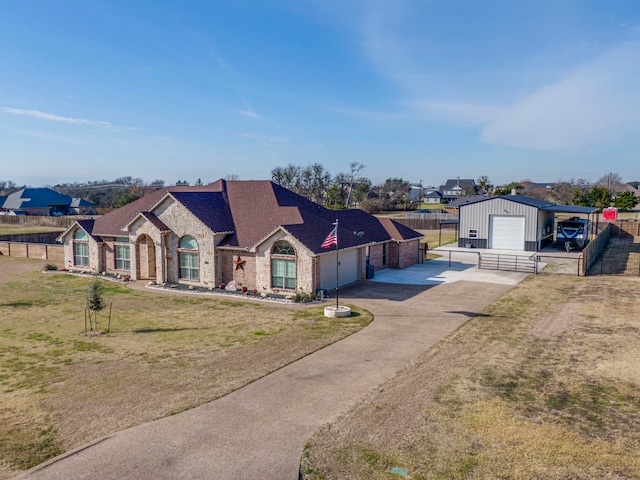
x=571, y=209
x=538, y=203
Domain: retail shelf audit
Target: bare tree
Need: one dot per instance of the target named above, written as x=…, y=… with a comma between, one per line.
x=485, y=184
x=354, y=170
x=608, y=180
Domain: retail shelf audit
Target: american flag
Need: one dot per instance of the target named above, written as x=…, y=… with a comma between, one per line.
x=332, y=238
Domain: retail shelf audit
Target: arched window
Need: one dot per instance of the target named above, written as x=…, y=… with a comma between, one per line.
x=189, y=258
x=80, y=248
x=283, y=266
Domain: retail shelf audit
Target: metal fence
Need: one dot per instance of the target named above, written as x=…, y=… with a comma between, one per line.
x=621, y=256
x=42, y=237
x=428, y=221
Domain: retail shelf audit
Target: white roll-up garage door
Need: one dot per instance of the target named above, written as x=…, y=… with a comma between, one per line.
x=507, y=232
x=348, y=272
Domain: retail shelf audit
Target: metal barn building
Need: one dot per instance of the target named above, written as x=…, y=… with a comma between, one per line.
x=509, y=222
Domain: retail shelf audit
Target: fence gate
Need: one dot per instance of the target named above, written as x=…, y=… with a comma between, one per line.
x=511, y=263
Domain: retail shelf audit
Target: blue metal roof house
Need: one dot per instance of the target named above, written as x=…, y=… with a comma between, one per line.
x=45, y=202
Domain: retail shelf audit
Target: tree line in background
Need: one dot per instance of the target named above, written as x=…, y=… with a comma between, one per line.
x=607, y=191
x=351, y=188
x=345, y=189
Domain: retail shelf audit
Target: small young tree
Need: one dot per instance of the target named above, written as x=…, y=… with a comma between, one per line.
x=95, y=302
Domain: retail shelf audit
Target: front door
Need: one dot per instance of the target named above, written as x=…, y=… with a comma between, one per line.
x=146, y=258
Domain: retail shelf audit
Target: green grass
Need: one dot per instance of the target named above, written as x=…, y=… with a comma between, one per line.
x=180, y=350
x=436, y=239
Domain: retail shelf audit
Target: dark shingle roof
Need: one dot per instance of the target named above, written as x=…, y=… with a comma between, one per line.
x=463, y=182
x=253, y=209
x=155, y=221
x=398, y=231
x=210, y=207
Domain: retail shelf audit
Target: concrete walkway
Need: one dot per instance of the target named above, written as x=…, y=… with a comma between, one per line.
x=260, y=430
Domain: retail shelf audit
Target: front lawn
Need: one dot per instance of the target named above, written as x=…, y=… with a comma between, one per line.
x=165, y=353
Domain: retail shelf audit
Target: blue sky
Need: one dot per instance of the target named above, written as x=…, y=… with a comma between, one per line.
x=422, y=90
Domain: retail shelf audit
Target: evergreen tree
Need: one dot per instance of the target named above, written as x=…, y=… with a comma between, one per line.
x=626, y=201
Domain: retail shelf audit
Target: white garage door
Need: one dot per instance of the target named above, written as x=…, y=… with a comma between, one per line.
x=347, y=273
x=507, y=232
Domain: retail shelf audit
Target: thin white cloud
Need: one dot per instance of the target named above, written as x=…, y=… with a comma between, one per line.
x=591, y=104
x=249, y=114
x=58, y=118
x=247, y=110
x=271, y=140
x=596, y=104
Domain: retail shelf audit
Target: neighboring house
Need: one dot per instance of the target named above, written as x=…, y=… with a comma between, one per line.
x=547, y=186
x=458, y=187
x=454, y=206
x=45, y=202
x=511, y=222
x=432, y=197
x=255, y=233
x=618, y=188
x=80, y=206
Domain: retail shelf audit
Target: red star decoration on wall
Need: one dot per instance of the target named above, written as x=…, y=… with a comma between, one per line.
x=239, y=263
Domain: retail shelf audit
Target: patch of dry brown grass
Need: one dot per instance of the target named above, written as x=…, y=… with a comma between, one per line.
x=436, y=239
x=543, y=384
x=165, y=353
x=11, y=229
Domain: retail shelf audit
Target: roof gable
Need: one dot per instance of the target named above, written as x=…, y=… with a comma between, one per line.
x=152, y=219
x=399, y=232
x=257, y=207
x=86, y=225
x=451, y=183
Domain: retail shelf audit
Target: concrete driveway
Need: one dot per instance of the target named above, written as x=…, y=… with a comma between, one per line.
x=454, y=265
x=260, y=430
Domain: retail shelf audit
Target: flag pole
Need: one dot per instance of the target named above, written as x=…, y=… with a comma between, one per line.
x=337, y=264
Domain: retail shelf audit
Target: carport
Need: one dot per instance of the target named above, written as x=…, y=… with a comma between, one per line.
x=574, y=210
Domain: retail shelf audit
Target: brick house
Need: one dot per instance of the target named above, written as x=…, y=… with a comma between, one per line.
x=255, y=233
